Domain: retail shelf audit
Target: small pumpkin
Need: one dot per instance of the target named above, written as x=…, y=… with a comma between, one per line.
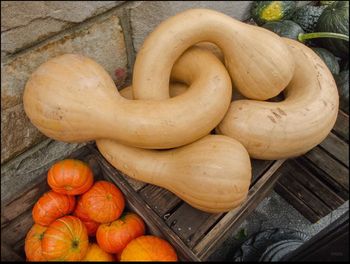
x=95, y=253
x=148, y=248
x=266, y=11
x=113, y=237
x=285, y=28
x=32, y=244
x=70, y=176
x=104, y=202
x=335, y=18
x=307, y=16
x=65, y=239
x=329, y=59
x=81, y=213
x=52, y=205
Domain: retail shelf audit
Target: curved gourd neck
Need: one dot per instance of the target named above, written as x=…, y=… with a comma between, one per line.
x=186, y=29
x=140, y=164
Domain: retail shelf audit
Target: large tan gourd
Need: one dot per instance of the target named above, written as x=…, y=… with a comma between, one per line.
x=257, y=59
x=73, y=99
x=275, y=130
x=212, y=174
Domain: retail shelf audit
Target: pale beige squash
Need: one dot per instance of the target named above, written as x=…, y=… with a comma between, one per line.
x=257, y=59
x=212, y=174
x=71, y=98
x=275, y=130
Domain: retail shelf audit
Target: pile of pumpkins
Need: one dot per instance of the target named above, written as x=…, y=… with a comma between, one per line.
x=83, y=220
x=178, y=126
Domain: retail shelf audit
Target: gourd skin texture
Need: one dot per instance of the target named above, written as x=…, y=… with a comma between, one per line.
x=276, y=130
x=212, y=174
x=73, y=99
x=258, y=61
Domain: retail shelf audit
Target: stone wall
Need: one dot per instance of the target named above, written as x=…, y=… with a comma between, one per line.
x=110, y=32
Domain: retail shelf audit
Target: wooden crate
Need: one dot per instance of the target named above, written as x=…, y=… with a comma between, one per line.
x=318, y=182
x=194, y=234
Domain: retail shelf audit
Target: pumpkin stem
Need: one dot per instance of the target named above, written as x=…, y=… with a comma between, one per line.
x=302, y=37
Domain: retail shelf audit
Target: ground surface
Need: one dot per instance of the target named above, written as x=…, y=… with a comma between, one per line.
x=274, y=212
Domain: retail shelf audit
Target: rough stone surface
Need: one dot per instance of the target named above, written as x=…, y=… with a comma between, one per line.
x=26, y=22
x=146, y=15
x=102, y=41
x=17, y=132
x=23, y=171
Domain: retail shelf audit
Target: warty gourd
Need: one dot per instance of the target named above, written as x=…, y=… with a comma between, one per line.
x=212, y=174
x=71, y=98
x=276, y=130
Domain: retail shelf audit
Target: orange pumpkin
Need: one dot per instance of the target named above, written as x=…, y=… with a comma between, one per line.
x=95, y=253
x=104, y=202
x=113, y=237
x=148, y=248
x=70, y=176
x=81, y=213
x=65, y=239
x=52, y=205
x=32, y=244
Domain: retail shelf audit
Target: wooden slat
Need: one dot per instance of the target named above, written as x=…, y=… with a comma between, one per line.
x=288, y=181
x=161, y=200
x=338, y=189
x=333, y=168
x=23, y=203
x=190, y=224
x=7, y=254
x=259, y=167
x=341, y=127
x=298, y=204
x=156, y=225
x=311, y=182
x=18, y=228
x=235, y=217
x=337, y=148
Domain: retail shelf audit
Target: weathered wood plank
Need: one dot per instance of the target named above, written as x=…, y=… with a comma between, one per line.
x=235, y=217
x=161, y=200
x=259, y=167
x=298, y=204
x=7, y=254
x=333, y=168
x=18, y=228
x=338, y=189
x=155, y=225
x=190, y=224
x=288, y=181
x=23, y=203
x=337, y=148
x=311, y=182
x=341, y=127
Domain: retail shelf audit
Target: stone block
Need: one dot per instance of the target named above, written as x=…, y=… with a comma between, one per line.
x=146, y=15
x=102, y=41
x=26, y=22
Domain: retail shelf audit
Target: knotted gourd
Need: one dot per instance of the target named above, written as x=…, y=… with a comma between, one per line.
x=276, y=130
x=257, y=59
x=71, y=98
x=212, y=174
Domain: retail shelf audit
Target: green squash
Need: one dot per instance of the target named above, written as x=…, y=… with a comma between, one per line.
x=267, y=11
x=342, y=81
x=329, y=59
x=335, y=18
x=285, y=28
x=307, y=16
x=326, y=3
